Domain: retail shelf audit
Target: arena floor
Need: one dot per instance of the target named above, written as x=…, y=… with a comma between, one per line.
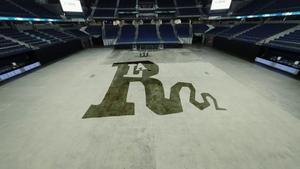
x=242, y=116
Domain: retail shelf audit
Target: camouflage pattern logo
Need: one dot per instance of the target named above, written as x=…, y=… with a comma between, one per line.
x=115, y=101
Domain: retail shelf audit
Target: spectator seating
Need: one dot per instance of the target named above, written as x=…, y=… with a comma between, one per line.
x=25, y=38
x=267, y=6
x=104, y=13
x=58, y=34
x=128, y=35
x=264, y=31
x=147, y=34
x=236, y=29
x=41, y=35
x=9, y=9
x=216, y=30
x=111, y=31
x=200, y=28
x=77, y=33
x=186, y=3
x=94, y=30
x=183, y=30
x=36, y=9
x=127, y=4
x=290, y=42
x=8, y=47
x=167, y=34
x=190, y=11
x=165, y=3
x=107, y=4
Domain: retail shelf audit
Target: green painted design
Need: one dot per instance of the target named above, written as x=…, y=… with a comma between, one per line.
x=115, y=101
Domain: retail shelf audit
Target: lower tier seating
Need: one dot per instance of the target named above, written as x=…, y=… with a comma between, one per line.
x=147, y=34
x=264, y=31
x=289, y=42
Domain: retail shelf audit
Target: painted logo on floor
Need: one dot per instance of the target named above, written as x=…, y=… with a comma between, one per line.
x=115, y=101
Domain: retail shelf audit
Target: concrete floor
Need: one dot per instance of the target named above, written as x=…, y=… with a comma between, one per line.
x=41, y=123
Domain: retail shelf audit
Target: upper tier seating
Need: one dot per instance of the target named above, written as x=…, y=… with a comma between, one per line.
x=267, y=6
x=111, y=31
x=290, y=42
x=35, y=8
x=25, y=38
x=167, y=34
x=165, y=3
x=127, y=4
x=190, y=11
x=9, y=9
x=185, y=3
x=200, y=28
x=264, y=31
x=148, y=35
x=107, y=4
x=183, y=30
x=252, y=7
x=236, y=29
x=282, y=6
x=127, y=35
x=104, y=13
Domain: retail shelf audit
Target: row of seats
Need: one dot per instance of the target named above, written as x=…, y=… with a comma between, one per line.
x=133, y=4
x=289, y=42
x=253, y=33
x=28, y=8
x=119, y=13
x=267, y=6
x=151, y=34
x=13, y=42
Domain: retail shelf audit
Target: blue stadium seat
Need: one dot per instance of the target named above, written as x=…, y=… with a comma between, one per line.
x=183, y=30
x=148, y=35
x=236, y=29
x=127, y=35
x=264, y=31
x=200, y=28
x=94, y=30
x=167, y=34
x=111, y=31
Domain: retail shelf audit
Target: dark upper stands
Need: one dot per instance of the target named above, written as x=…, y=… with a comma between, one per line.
x=36, y=9
x=165, y=3
x=185, y=3
x=107, y=4
x=9, y=9
x=127, y=4
x=22, y=8
x=267, y=6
